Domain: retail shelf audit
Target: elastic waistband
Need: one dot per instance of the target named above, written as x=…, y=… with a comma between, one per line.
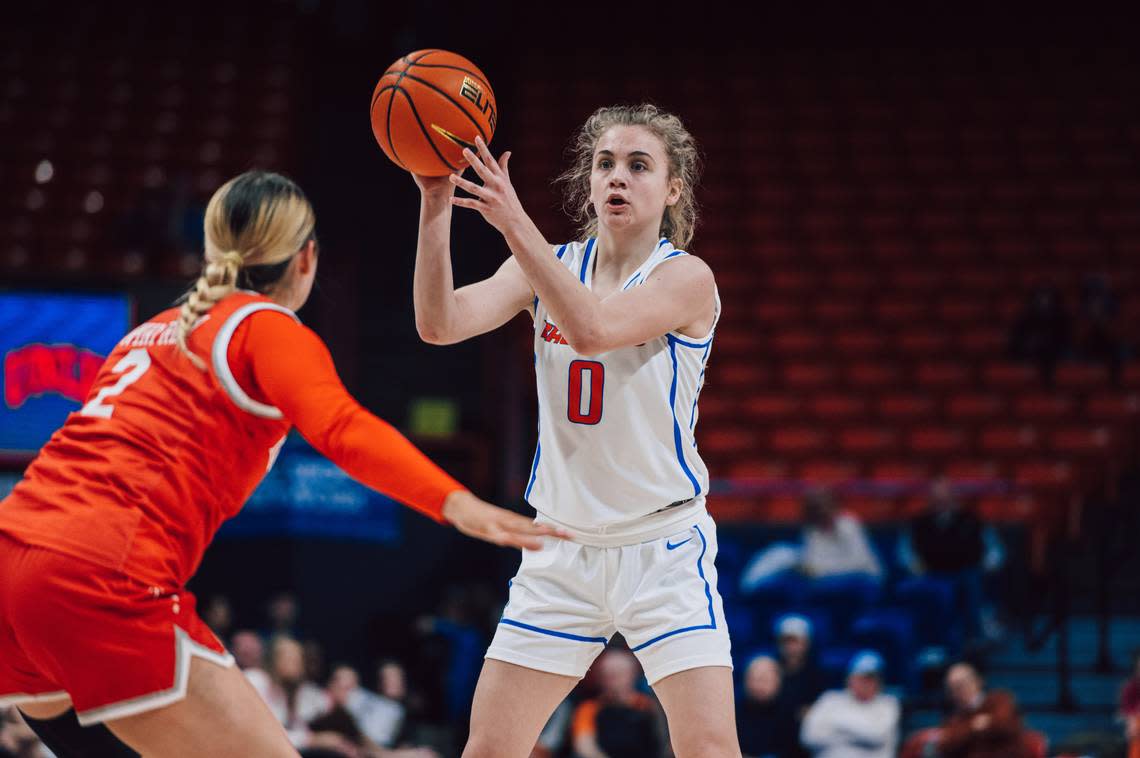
x=644, y=529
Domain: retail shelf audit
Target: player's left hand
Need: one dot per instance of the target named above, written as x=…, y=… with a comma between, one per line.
x=495, y=198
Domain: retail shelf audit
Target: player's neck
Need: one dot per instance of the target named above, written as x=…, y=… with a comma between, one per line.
x=622, y=253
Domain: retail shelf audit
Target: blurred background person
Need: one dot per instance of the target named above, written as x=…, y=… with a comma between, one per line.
x=765, y=722
x=248, y=650
x=981, y=725
x=950, y=542
x=857, y=722
x=620, y=722
x=1042, y=332
x=834, y=543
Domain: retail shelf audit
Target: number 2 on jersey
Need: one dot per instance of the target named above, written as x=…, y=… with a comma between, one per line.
x=592, y=414
x=132, y=366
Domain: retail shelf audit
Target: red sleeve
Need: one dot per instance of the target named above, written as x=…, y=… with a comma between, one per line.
x=289, y=367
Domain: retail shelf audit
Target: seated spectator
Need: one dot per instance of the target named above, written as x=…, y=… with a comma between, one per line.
x=764, y=720
x=801, y=679
x=1098, y=333
x=981, y=725
x=294, y=700
x=620, y=722
x=858, y=722
x=379, y=718
x=1130, y=708
x=248, y=650
x=1040, y=334
x=344, y=693
x=282, y=612
x=947, y=541
x=219, y=616
x=834, y=542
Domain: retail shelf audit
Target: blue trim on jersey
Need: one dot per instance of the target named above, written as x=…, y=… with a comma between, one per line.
x=537, y=448
x=698, y=345
x=636, y=278
x=708, y=594
x=586, y=259
x=674, y=254
x=676, y=425
x=700, y=386
x=552, y=633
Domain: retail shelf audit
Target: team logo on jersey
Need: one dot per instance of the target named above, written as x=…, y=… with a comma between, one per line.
x=473, y=91
x=550, y=333
x=35, y=370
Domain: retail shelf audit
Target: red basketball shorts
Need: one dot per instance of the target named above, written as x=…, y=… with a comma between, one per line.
x=114, y=645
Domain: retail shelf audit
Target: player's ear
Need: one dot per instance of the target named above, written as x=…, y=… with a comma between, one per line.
x=675, y=187
x=307, y=257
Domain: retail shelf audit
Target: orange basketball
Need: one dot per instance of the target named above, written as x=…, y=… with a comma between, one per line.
x=427, y=107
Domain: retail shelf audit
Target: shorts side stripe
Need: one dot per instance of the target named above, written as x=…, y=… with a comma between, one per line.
x=552, y=633
x=708, y=594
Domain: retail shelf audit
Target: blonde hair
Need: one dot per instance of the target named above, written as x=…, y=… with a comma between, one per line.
x=679, y=220
x=258, y=219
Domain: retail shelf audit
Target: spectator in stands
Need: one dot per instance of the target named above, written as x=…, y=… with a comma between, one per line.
x=248, y=650
x=765, y=724
x=981, y=725
x=282, y=611
x=858, y=722
x=1040, y=334
x=218, y=615
x=1130, y=708
x=345, y=702
x=947, y=541
x=294, y=700
x=801, y=679
x=834, y=542
x=456, y=626
x=17, y=740
x=620, y=722
x=378, y=718
x=1098, y=333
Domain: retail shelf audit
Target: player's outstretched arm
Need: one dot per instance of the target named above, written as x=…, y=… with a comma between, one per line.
x=303, y=384
x=678, y=294
x=445, y=315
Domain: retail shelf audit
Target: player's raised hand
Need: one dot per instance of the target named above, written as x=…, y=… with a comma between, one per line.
x=479, y=519
x=495, y=198
x=434, y=186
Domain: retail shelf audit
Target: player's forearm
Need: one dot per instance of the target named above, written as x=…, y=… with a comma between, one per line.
x=575, y=309
x=433, y=288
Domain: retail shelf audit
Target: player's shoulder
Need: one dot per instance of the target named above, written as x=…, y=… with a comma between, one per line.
x=681, y=266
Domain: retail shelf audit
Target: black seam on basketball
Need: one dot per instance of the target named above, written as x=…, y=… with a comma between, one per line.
x=412, y=105
x=410, y=64
x=378, y=93
x=388, y=127
x=452, y=100
x=470, y=73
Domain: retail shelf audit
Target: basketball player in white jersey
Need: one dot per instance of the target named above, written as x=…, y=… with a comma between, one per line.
x=623, y=325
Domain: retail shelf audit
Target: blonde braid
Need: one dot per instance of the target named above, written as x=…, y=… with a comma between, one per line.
x=218, y=279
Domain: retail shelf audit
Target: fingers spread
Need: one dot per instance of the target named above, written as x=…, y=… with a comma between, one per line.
x=477, y=164
x=465, y=185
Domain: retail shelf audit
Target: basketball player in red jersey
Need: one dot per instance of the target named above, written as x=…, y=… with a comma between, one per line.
x=114, y=514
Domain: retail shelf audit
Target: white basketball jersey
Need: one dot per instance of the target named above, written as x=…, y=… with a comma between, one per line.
x=616, y=438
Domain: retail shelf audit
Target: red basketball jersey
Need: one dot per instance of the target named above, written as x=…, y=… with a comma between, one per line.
x=141, y=477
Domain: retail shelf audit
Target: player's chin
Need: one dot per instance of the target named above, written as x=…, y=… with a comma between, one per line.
x=618, y=217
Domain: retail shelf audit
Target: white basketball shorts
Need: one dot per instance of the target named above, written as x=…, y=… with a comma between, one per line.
x=568, y=599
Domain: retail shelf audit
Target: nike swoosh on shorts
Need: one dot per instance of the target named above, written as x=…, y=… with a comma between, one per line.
x=670, y=546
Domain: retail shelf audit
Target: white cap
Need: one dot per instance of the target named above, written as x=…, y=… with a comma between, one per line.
x=793, y=626
x=866, y=662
